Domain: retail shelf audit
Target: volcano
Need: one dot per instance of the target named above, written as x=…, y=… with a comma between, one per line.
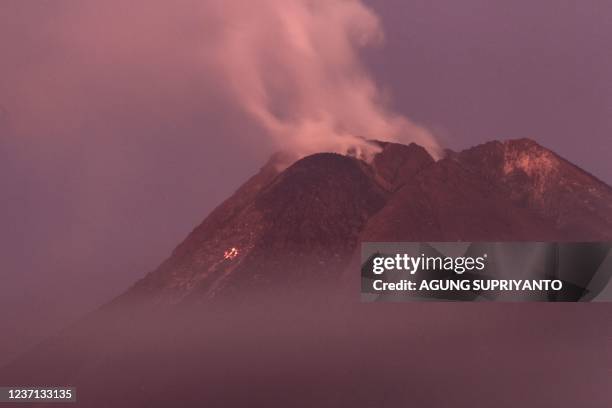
x=296, y=222
x=249, y=310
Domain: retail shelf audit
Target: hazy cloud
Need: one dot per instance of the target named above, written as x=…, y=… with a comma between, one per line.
x=294, y=66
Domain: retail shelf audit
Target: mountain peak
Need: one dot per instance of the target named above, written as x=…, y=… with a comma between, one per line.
x=531, y=159
x=516, y=157
x=535, y=177
x=396, y=163
x=302, y=220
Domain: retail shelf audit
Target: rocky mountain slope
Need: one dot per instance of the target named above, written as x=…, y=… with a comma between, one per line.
x=304, y=223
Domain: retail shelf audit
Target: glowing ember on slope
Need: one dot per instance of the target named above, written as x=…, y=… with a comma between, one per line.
x=230, y=253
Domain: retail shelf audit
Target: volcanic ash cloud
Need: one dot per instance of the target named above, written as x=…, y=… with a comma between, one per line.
x=293, y=65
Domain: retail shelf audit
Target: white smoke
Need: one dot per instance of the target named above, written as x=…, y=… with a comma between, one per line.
x=293, y=65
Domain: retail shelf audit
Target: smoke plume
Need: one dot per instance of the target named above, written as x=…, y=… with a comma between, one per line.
x=293, y=66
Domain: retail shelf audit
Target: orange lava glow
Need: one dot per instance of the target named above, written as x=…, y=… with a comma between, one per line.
x=230, y=253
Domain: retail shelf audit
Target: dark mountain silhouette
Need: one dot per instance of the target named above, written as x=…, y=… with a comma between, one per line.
x=285, y=229
x=305, y=223
x=258, y=306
